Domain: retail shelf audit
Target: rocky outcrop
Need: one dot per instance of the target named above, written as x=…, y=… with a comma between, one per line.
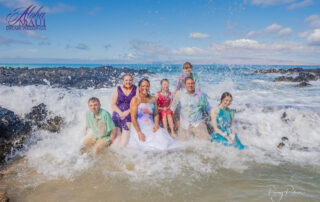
x=304, y=75
x=282, y=71
x=43, y=119
x=13, y=131
x=303, y=84
x=81, y=78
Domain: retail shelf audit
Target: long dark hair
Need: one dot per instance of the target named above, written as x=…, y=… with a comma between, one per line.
x=142, y=80
x=224, y=95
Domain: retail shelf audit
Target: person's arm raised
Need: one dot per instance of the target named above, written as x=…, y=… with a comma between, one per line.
x=133, y=111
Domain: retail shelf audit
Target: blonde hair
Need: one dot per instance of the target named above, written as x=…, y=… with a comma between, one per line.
x=93, y=99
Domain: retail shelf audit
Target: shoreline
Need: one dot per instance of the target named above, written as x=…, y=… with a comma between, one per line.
x=63, y=77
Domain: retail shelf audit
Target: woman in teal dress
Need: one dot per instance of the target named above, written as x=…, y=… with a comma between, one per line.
x=222, y=121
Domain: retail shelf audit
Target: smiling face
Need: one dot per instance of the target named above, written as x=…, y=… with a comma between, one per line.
x=165, y=86
x=189, y=85
x=226, y=101
x=94, y=106
x=127, y=81
x=187, y=69
x=144, y=88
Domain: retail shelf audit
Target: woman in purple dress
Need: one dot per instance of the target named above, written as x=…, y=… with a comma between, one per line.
x=121, y=106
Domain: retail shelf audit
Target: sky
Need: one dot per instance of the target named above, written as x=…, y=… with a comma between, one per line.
x=284, y=32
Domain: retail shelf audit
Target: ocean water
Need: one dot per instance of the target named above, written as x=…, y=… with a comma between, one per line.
x=52, y=168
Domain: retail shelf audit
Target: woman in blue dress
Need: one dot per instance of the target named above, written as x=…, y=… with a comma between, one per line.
x=222, y=122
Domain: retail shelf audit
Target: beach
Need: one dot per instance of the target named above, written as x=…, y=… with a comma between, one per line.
x=52, y=167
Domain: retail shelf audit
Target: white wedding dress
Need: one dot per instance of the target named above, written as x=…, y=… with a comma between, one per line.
x=158, y=141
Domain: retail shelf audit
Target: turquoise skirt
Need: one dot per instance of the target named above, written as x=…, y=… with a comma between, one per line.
x=218, y=138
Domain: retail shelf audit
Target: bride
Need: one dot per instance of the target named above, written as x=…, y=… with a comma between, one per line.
x=146, y=134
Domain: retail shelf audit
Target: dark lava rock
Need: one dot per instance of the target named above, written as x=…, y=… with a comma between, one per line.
x=305, y=75
x=284, y=117
x=38, y=113
x=280, y=145
x=82, y=78
x=303, y=84
x=13, y=131
x=283, y=78
x=40, y=117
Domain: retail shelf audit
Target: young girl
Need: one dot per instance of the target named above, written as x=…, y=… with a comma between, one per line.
x=164, y=99
x=222, y=122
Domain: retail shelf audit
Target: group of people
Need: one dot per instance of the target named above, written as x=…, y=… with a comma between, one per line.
x=137, y=116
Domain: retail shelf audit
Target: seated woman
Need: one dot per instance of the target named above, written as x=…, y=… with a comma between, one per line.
x=146, y=134
x=120, y=104
x=222, y=121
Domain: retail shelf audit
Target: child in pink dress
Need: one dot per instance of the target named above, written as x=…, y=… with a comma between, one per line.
x=164, y=99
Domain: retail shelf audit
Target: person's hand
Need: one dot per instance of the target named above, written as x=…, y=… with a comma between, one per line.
x=155, y=128
x=164, y=108
x=112, y=138
x=122, y=115
x=230, y=140
x=127, y=112
x=141, y=136
x=178, y=123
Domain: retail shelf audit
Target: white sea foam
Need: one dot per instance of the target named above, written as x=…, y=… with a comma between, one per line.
x=260, y=104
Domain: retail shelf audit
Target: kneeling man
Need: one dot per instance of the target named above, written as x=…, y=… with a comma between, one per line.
x=192, y=105
x=99, y=126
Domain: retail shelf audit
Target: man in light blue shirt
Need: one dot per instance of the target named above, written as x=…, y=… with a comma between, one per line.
x=193, y=104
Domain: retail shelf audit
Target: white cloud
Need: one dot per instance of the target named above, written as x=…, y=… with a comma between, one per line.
x=314, y=37
x=125, y=57
x=241, y=43
x=5, y=40
x=82, y=46
x=94, y=11
x=250, y=49
x=146, y=47
x=198, y=35
x=300, y=4
x=189, y=51
x=291, y=4
x=18, y=3
x=34, y=34
x=270, y=2
x=274, y=29
x=60, y=8
x=284, y=32
x=235, y=50
x=314, y=21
